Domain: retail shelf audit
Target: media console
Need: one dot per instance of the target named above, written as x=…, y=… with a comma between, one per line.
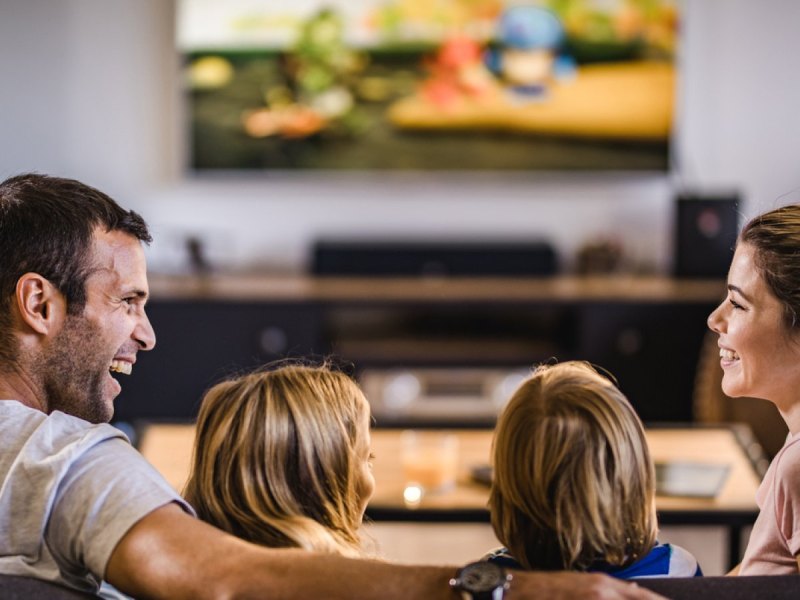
x=647, y=331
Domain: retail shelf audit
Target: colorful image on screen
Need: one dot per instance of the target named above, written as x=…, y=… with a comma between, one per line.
x=429, y=84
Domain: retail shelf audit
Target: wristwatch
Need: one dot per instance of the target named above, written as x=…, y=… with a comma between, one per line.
x=481, y=581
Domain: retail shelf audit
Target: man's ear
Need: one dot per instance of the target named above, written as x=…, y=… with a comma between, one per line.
x=41, y=305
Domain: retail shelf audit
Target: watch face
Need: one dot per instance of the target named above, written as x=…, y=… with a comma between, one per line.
x=481, y=577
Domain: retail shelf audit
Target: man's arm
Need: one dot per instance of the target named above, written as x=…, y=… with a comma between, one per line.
x=169, y=554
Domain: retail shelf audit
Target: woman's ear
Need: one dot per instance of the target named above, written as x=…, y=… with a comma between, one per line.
x=41, y=305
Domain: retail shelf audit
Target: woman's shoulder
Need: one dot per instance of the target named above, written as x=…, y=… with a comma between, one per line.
x=787, y=461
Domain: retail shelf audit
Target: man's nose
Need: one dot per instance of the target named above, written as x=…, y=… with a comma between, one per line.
x=144, y=334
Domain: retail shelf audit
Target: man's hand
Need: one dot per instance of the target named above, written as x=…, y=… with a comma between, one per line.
x=568, y=585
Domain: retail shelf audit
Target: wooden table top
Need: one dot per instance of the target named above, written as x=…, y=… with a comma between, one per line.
x=302, y=288
x=168, y=447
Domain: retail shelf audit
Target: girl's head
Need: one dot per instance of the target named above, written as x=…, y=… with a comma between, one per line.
x=573, y=480
x=282, y=459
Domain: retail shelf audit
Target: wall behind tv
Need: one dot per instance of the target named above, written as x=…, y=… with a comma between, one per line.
x=91, y=90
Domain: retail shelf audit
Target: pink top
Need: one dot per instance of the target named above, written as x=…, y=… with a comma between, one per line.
x=775, y=540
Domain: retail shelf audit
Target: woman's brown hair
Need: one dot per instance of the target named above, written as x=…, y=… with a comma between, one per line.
x=775, y=237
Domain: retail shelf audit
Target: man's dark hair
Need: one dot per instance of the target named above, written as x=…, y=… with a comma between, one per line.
x=46, y=227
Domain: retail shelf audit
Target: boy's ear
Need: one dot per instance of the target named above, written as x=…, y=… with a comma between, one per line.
x=41, y=305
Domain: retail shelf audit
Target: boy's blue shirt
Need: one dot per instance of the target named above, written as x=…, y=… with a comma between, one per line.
x=664, y=560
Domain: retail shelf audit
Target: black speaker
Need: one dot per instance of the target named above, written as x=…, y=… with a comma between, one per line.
x=416, y=258
x=705, y=235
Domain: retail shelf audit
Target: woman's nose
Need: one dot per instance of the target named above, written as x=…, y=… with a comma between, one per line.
x=714, y=320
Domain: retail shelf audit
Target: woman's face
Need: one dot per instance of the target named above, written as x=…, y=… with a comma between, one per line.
x=759, y=356
x=365, y=485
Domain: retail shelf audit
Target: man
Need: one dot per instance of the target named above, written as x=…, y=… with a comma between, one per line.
x=78, y=504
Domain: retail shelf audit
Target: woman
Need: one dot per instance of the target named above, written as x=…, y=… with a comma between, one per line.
x=759, y=339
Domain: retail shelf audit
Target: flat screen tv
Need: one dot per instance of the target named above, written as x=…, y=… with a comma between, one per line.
x=453, y=85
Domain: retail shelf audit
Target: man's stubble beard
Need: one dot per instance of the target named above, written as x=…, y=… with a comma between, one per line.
x=73, y=372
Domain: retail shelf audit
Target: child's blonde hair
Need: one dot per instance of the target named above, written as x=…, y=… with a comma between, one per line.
x=275, y=459
x=573, y=480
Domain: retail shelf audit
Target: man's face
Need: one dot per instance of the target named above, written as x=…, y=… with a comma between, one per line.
x=76, y=367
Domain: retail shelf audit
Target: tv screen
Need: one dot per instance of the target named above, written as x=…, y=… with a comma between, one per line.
x=429, y=84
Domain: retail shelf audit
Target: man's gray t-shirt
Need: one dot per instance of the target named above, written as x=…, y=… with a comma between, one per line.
x=69, y=491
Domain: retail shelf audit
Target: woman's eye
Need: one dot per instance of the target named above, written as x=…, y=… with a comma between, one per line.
x=735, y=304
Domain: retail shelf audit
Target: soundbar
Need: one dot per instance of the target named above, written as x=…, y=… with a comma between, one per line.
x=409, y=259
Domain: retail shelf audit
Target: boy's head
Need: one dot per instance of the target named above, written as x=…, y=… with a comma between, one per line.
x=573, y=480
x=282, y=458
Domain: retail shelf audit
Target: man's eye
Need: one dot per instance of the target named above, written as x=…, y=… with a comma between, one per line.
x=132, y=303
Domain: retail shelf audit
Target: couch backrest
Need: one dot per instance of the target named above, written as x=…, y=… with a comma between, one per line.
x=25, y=588
x=774, y=587
x=783, y=587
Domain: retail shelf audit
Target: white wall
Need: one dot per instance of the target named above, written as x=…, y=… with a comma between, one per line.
x=90, y=90
x=740, y=97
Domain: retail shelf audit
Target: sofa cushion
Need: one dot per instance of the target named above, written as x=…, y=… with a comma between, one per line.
x=774, y=587
x=13, y=587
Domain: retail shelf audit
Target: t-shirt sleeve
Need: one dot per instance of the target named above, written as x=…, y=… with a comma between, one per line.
x=787, y=497
x=107, y=490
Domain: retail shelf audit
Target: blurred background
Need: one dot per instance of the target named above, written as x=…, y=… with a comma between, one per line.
x=95, y=90
x=206, y=118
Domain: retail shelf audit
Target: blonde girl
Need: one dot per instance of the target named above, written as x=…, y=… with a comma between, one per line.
x=282, y=459
x=574, y=484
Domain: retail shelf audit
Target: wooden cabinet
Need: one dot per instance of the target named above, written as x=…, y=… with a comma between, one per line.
x=199, y=342
x=652, y=349
x=647, y=332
